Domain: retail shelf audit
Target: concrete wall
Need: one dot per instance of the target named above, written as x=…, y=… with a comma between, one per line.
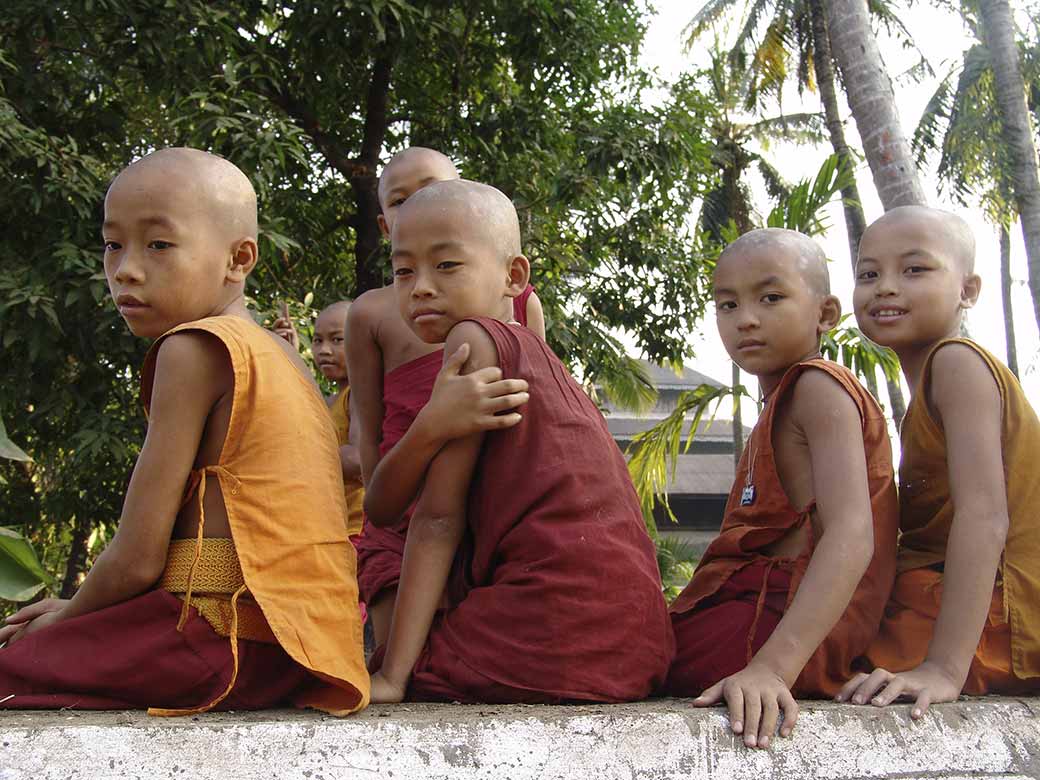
x=660, y=740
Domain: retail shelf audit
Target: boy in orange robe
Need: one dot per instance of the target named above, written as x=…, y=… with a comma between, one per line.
x=393, y=372
x=964, y=612
x=793, y=588
x=554, y=591
x=229, y=583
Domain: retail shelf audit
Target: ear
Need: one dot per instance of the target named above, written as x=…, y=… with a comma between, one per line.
x=383, y=227
x=830, y=314
x=970, y=289
x=244, y=255
x=519, y=270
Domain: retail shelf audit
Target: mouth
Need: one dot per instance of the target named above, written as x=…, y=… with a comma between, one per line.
x=887, y=313
x=426, y=315
x=749, y=344
x=128, y=304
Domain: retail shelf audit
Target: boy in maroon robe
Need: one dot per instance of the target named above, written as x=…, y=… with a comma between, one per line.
x=555, y=593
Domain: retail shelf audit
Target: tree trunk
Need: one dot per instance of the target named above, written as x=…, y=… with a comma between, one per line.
x=77, y=560
x=1005, y=291
x=738, y=423
x=872, y=101
x=364, y=180
x=999, y=36
x=855, y=221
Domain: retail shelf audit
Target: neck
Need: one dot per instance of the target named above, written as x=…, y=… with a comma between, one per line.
x=912, y=359
x=236, y=307
x=767, y=383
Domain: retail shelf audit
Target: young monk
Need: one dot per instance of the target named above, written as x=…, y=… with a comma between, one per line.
x=329, y=350
x=793, y=588
x=555, y=594
x=963, y=614
x=229, y=580
x=393, y=373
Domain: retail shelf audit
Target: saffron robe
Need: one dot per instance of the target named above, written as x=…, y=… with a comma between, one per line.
x=289, y=533
x=1008, y=656
x=406, y=390
x=718, y=592
x=353, y=489
x=556, y=591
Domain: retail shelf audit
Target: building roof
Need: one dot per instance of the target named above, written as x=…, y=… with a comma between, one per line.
x=666, y=378
x=701, y=475
x=624, y=427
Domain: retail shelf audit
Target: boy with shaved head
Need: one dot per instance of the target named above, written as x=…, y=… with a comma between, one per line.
x=793, y=588
x=393, y=373
x=229, y=582
x=554, y=593
x=964, y=612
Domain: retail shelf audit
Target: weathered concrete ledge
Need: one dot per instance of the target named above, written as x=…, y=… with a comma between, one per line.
x=660, y=739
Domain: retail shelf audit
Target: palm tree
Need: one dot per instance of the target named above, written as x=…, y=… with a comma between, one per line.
x=870, y=95
x=961, y=125
x=999, y=36
x=796, y=40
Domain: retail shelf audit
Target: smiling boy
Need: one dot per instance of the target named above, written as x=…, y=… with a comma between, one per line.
x=230, y=579
x=793, y=588
x=964, y=611
x=554, y=594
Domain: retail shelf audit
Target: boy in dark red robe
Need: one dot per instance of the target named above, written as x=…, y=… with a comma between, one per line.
x=555, y=593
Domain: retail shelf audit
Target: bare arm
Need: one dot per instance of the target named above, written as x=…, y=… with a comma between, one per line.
x=365, y=368
x=966, y=401
x=434, y=533
x=461, y=404
x=350, y=453
x=535, y=316
x=832, y=427
x=192, y=372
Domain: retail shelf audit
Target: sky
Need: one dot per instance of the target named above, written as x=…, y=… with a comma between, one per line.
x=942, y=38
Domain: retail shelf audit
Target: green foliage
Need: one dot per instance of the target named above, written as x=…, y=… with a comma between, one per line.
x=21, y=575
x=676, y=560
x=802, y=208
x=847, y=345
x=8, y=449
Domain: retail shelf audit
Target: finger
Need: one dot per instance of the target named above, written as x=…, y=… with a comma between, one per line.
x=709, y=697
x=869, y=687
x=498, y=422
x=735, y=703
x=921, y=705
x=285, y=309
x=770, y=715
x=454, y=364
x=845, y=694
x=34, y=610
x=893, y=691
x=752, y=718
x=503, y=402
x=500, y=387
x=9, y=631
x=490, y=376
x=790, y=708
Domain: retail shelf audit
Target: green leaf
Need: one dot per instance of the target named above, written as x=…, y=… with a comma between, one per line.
x=21, y=574
x=8, y=449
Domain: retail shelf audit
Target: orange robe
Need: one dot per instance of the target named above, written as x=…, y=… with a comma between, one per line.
x=1008, y=657
x=288, y=605
x=353, y=489
x=738, y=593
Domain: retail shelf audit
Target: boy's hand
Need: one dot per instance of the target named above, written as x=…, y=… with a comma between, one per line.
x=464, y=404
x=755, y=697
x=927, y=684
x=386, y=692
x=31, y=618
x=283, y=326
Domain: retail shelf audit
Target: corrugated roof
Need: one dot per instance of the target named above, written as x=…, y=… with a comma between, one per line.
x=685, y=380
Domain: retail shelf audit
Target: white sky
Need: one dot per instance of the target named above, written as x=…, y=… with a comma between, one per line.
x=942, y=38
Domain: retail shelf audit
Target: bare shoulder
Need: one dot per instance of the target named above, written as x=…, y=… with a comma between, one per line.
x=294, y=357
x=482, y=350
x=960, y=381
x=197, y=359
x=369, y=307
x=819, y=397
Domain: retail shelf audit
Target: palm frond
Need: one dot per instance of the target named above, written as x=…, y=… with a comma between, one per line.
x=802, y=127
x=802, y=209
x=708, y=14
x=847, y=345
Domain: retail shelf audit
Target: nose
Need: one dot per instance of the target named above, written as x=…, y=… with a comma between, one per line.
x=747, y=319
x=128, y=269
x=887, y=284
x=422, y=284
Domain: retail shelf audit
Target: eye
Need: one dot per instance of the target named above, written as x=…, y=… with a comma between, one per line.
x=338, y=339
x=772, y=297
x=112, y=246
x=396, y=202
x=160, y=245
x=725, y=305
x=864, y=276
x=402, y=271
x=915, y=269
x=447, y=265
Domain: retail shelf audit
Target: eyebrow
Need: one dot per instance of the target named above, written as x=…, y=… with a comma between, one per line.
x=441, y=246
x=158, y=220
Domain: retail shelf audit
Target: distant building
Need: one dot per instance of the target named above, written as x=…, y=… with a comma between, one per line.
x=704, y=475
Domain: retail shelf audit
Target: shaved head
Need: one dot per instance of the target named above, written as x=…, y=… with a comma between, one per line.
x=434, y=164
x=224, y=193
x=337, y=309
x=953, y=231
x=807, y=258
x=481, y=207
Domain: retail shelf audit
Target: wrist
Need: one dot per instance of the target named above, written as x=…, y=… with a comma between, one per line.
x=774, y=667
x=956, y=672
